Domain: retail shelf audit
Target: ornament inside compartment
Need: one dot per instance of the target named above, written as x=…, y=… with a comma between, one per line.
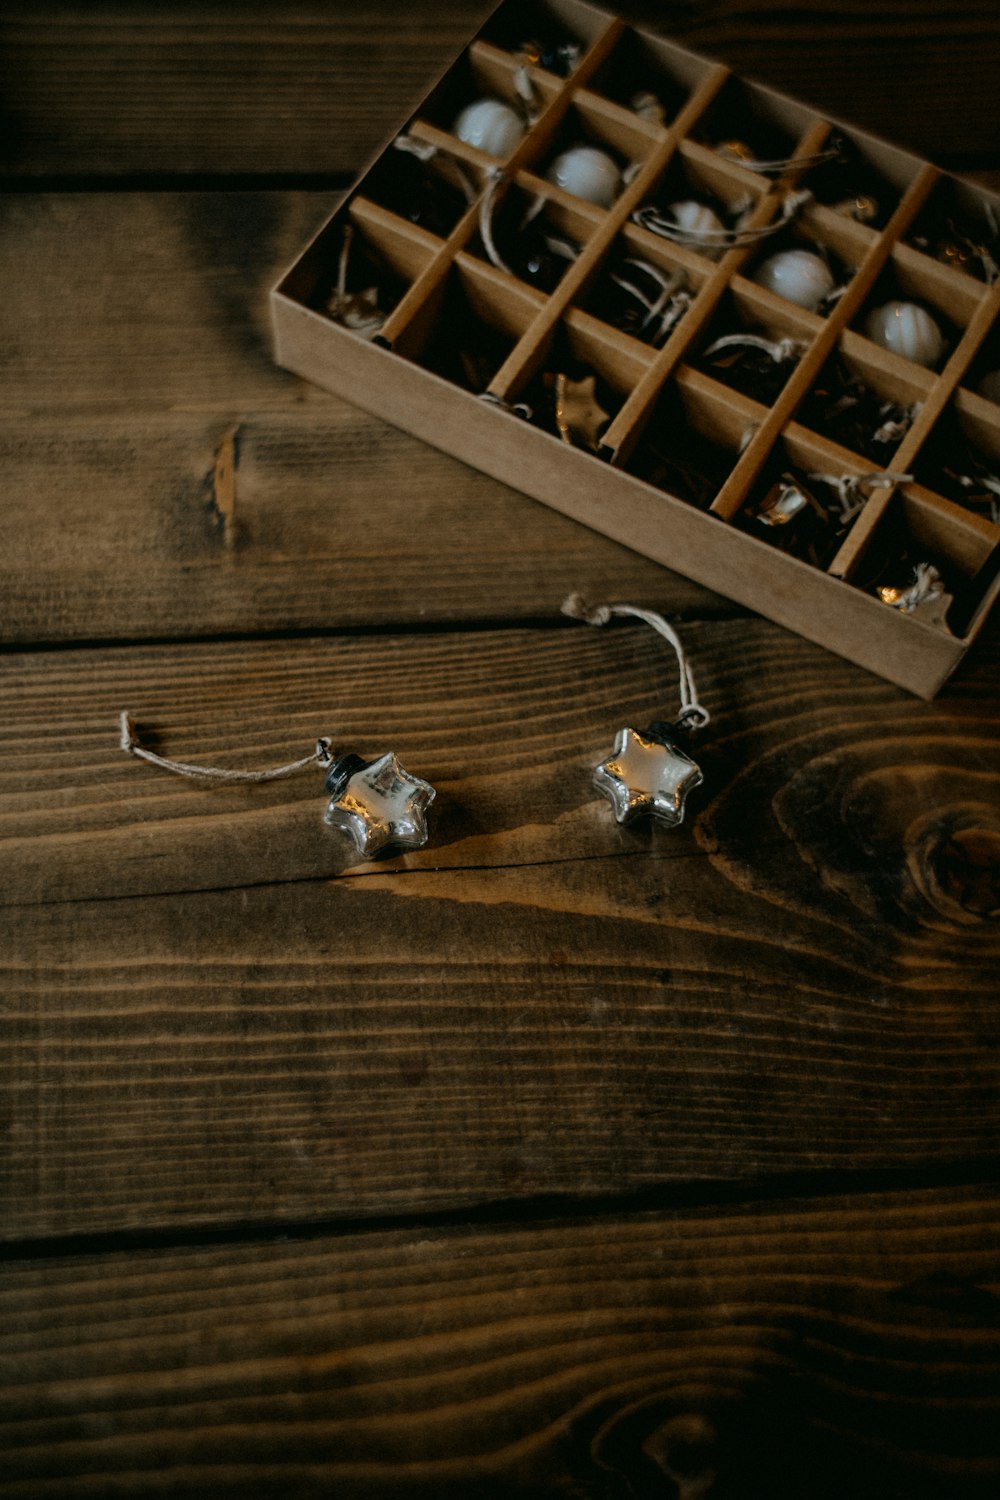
x=800, y=268
x=591, y=159
x=902, y=314
x=924, y=566
x=577, y=390
x=858, y=406
x=689, y=445
x=483, y=103
x=752, y=127
x=698, y=203
x=430, y=189
x=804, y=511
x=534, y=237
x=960, y=228
x=856, y=184
x=641, y=289
x=549, y=36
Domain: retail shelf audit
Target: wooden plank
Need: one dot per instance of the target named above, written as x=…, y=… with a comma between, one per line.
x=801, y=978
x=191, y=524
x=846, y=1347
x=114, y=422
x=212, y=89
x=142, y=301
x=192, y=88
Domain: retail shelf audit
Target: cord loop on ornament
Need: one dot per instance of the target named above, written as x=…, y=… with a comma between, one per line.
x=693, y=715
x=129, y=742
x=650, y=218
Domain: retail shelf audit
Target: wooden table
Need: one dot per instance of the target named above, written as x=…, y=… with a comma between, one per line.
x=552, y=1159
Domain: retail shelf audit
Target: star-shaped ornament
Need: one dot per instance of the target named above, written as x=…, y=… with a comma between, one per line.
x=579, y=417
x=647, y=775
x=377, y=803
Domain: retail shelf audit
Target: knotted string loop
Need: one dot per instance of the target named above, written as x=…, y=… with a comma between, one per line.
x=129, y=742
x=692, y=715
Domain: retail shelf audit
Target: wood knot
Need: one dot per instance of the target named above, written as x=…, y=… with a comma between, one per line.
x=670, y=1454
x=683, y=1448
x=957, y=867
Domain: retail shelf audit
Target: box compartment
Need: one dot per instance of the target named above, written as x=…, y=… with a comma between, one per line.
x=467, y=347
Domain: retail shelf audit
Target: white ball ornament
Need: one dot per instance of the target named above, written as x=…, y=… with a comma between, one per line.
x=696, y=219
x=989, y=386
x=587, y=172
x=800, y=276
x=491, y=126
x=907, y=329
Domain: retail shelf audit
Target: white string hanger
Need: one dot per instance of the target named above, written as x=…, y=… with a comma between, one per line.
x=649, y=772
x=375, y=802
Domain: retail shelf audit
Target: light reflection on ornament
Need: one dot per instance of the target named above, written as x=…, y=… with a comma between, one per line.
x=907, y=329
x=736, y=151
x=695, y=218
x=782, y=502
x=491, y=126
x=800, y=276
x=587, y=172
x=862, y=207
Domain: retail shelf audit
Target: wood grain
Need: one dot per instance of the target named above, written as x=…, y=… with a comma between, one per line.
x=216, y=1030
x=112, y=419
x=213, y=1015
x=119, y=529
x=147, y=301
x=211, y=89
x=761, y=1352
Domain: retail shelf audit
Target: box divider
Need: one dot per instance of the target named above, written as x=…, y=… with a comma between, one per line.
x=617, y=349
x=823, y=455
x=525, y=358
x=975, y=537
x=840, y=233
x=733, y=412
x=737, y=486
x=494, y=63
x=915, y=382
x=980, y=414
x=912, y=652
x=624, y=433
x=541, y=187
x=504, y=289
x=385, y=227
x=769, y=307
x=857, y=539
x=647, y=246
x=617, y=118
x=535, y=140
x=957, y=295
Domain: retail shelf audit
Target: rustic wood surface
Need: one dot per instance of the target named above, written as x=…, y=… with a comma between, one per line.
x=821, y=1347
x=306, y=87
x=552, y=1159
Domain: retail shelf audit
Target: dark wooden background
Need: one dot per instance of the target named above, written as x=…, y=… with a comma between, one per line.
x=551, y=1160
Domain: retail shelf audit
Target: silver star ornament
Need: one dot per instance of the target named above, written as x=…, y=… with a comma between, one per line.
x=377, y=803
x=647, y=775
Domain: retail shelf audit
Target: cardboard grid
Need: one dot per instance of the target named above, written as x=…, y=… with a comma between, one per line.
x=440, y=282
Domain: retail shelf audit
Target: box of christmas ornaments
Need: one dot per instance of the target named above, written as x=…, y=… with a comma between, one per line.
x=758, y=346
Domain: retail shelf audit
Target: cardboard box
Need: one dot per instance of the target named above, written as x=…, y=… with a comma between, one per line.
x=463, y=344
